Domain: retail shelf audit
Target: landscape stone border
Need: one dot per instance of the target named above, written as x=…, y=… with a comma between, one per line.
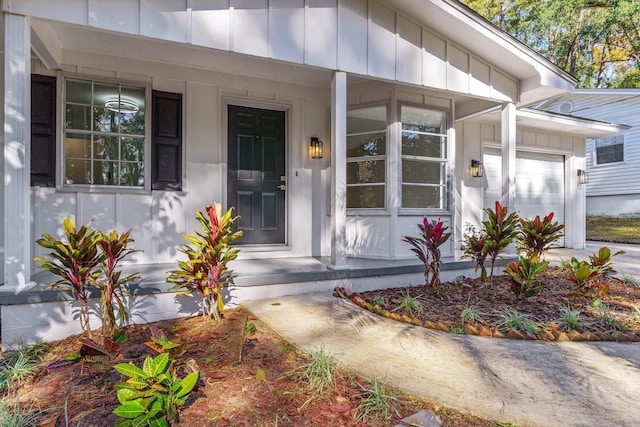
x=543, y=335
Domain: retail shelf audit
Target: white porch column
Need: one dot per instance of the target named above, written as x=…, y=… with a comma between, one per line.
x=338, y=170
x=508, y=139
x=17, y=150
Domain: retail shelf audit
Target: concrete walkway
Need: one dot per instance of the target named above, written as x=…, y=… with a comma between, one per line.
x=525, y=382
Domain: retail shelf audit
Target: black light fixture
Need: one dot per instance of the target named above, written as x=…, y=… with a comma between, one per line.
x=476, y=170
x=315, y=148
x=583, y=176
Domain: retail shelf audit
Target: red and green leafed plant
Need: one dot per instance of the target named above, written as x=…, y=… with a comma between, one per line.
x=204, y=272
x=75, y=261
x=524, y=276
x=500, y=228
x=114, y=249
x=427, y=247
x=474, y=249
x=536, y=236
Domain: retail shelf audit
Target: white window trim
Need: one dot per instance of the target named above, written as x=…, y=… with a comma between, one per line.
x=402, y=211
x=60, y=152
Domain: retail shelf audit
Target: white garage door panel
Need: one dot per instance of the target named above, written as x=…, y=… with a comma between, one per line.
x=539, y=183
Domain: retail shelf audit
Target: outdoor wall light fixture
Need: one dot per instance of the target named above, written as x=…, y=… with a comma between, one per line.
x=476, y=170
x=583, y=176
x=316, y=148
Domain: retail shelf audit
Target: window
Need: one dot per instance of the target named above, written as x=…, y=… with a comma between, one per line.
x=104, y=134
x=609, y=149
x=366, y=157
x=424, y=158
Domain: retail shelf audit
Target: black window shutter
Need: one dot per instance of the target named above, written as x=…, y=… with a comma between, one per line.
x=166, y=141
x=43, y=131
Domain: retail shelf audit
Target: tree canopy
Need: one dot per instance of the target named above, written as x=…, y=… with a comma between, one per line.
x=597, y=41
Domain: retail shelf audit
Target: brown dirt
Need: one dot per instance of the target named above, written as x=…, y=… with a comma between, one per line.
x=445, y=304
x=229, y=392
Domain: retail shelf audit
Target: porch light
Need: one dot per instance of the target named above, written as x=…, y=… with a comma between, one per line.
x=583, y=176
x=121, y=105
x=316, y=148
x=476, y=170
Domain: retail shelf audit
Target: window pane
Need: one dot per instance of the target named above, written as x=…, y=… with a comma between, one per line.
x=132, y=174
x=367, y=119
x=414, y=144
x=132, y=149
x=78, y=92
x=77, y=146
x=105, y=94
x=106, y=148
x=77, y=171
x=105, y=120
x=610, y=154
x=77, y=117
x=365, y=172
x=132, y=123
x=422, y=172
x=367, y=145
x=420, y=120
x=105, y=173
x=369, y=196
x=417, y=196
x=133, y=98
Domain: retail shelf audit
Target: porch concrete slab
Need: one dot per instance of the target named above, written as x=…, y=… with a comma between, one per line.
x=529, y=383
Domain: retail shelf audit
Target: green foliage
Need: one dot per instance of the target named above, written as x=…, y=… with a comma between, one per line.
x=18, y=417
x=75, y=262
x=509, y=318
x=602, y=262
x=378, y=404
x=427, y=248
x=524, y=276
x=114, y=249
x=596, y=41
x=152, y=395
x=410, y=305
x=379, y=300
x=319, y=369
x=471, y=315
x=161, y=344
x=79, y=263
x=535, y=236
x=208, y=253
x=570, y=319
x=581, y=274
x=18, y=365
x=250, y=329
x=473, y=246
x=500, y=228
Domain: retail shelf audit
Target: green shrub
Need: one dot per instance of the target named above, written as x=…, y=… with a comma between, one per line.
x=427, y=248
x=473, y=246
x=500, y=229
x=524, y=276
x=205, y=270
x=535, y=236
x=509, y=318
x=378, y=404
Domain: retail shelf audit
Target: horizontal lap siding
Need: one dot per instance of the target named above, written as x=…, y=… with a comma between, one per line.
x=365, y=37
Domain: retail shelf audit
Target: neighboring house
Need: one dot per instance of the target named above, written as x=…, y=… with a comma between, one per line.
x=613, y=162
x=137, y=113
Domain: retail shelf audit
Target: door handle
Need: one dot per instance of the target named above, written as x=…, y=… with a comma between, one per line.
x=282, y=187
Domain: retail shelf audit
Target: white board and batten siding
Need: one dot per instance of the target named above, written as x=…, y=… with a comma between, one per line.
x=364, y=37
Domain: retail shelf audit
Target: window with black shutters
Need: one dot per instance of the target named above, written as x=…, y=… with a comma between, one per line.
x=43, y=131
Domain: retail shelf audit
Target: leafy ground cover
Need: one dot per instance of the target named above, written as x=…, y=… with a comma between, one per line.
x=558, y=312
x=248, y=377
x=618, y=230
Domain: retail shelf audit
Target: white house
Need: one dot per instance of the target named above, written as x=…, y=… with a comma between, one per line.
x=137, y=113
x=613, y=162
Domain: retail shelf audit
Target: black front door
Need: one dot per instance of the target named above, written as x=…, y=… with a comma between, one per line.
x=256, y=173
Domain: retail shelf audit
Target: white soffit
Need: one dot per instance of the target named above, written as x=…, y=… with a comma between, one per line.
x=559, y=124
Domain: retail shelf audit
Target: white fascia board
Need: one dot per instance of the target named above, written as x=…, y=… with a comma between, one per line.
x=557, y=122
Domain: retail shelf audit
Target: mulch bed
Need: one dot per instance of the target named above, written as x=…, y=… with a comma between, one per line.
x=611, y=315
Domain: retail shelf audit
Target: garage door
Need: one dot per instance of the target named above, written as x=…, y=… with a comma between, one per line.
x=539, y=183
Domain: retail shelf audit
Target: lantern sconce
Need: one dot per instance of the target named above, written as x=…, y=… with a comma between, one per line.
x=476, y=170
x=583, y=177
x=316, y=148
